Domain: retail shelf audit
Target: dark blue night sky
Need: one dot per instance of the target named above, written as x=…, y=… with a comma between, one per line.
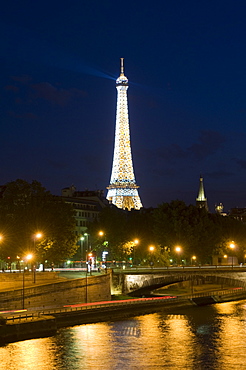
x=186, y=65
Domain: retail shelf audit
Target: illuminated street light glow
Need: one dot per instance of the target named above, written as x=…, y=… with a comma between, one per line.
x=232, y=246
x=193, y=258
x=29, y=257
x=178, y=250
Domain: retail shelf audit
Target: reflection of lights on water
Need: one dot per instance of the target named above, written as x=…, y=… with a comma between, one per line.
x=126, y=328
x=29, y=354
x=226, y=308
x=203, y=329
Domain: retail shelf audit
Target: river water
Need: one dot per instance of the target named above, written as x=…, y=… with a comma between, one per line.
x=209, y=337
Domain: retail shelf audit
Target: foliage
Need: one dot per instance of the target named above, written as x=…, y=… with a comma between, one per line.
x=28, y=208
x=198, y=232
x=120, y=230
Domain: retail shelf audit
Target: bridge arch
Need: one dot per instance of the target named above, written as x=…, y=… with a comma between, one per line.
x=143, y=284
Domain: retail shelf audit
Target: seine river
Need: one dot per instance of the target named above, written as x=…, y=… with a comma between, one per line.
x=210, y=337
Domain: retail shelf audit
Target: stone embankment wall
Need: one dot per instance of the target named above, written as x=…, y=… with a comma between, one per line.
x=57, y=293
x=28, y=329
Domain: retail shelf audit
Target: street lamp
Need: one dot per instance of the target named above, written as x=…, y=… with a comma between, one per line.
x=105, y=251
x=27, y=258
x=81, y=249
x=36, y=237
x=193, y=259
x=178, y=250
x=151, y=249
x=89, y=262
x=136, y=241
x=232, y=246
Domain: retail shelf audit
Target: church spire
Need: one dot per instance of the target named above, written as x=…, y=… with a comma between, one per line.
x=201, y=200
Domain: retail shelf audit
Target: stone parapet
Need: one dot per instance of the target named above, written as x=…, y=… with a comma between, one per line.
x=83, y=290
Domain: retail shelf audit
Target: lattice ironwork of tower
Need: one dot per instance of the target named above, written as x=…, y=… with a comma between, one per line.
x=123, y=190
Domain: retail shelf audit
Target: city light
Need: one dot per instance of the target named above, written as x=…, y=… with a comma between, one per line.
x=29, y=257
x=178, y=249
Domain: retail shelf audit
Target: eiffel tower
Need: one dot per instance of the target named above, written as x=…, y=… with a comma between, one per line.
x=123, y=190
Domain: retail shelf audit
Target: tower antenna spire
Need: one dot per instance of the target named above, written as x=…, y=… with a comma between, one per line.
x=122, y=66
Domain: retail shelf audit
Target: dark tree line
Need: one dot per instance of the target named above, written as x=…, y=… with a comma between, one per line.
x=198, y=233
x=28, y=208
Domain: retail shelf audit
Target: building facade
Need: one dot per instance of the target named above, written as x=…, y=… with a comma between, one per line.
x=87, y=205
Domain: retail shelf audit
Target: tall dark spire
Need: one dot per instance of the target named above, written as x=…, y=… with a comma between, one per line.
x=201, y=200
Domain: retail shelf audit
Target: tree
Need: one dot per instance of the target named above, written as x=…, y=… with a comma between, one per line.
x=120, y=229
x=28, y=208
x=191, y=227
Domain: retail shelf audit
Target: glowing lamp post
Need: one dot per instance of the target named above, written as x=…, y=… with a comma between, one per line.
x=136, y=241
x=27, y=258
x=151, y=249
x=232, y=246
x=193, y=260
x=36, y=237
x=81, y=249
x=104, y=252
x=225, y=262
x=178, y=250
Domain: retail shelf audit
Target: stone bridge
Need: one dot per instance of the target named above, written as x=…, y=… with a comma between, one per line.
x=139, y=283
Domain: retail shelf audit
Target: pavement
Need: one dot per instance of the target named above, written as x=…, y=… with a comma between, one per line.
x=7, y=284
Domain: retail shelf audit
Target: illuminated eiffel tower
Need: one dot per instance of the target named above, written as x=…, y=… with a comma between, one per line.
x=122, y=190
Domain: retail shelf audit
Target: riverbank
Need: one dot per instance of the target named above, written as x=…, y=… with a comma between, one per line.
x=33, y=324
